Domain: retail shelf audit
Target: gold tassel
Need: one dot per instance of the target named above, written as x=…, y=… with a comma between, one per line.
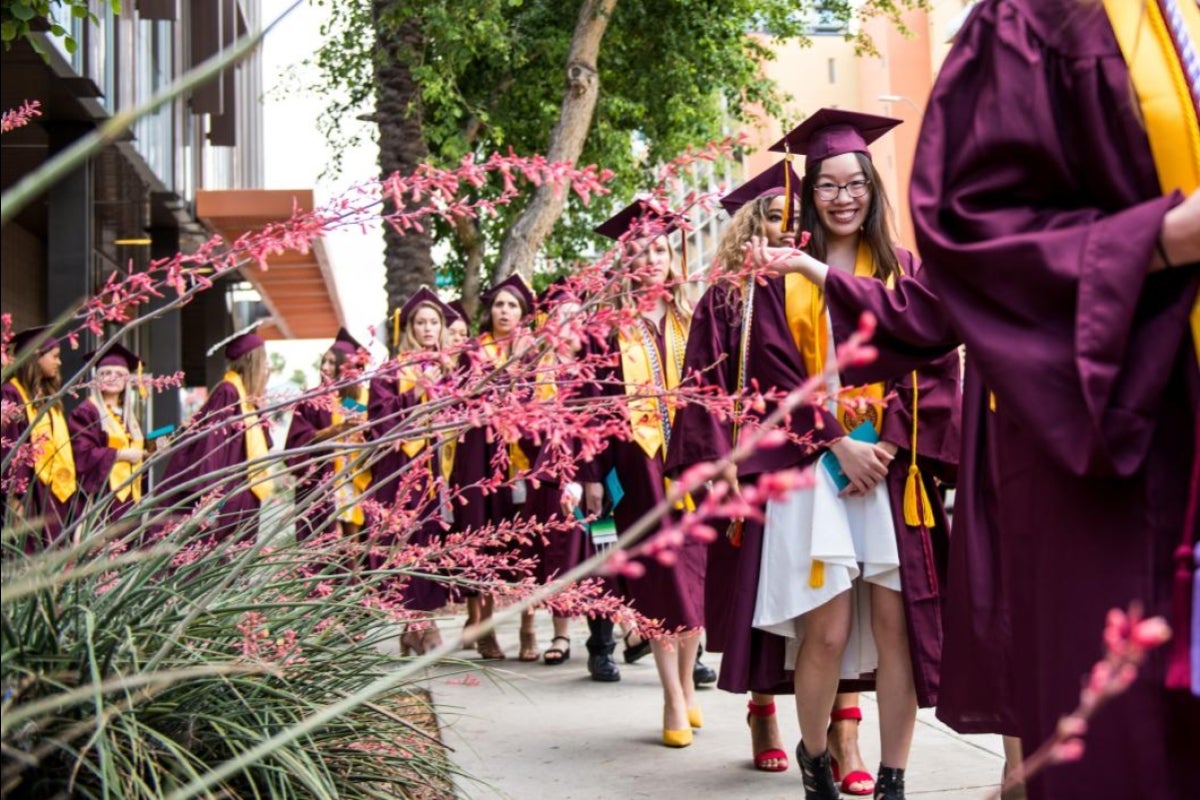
x=683, y=254
x=816, y=575
x=141, y=387
x=917, y=511
x=786, y=222
x=395, y=329
x=914, y=493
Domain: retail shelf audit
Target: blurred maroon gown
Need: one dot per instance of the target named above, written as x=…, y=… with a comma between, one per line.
x=1037, y=208
x=37, y=500
x=94, y=461
x=210, y=455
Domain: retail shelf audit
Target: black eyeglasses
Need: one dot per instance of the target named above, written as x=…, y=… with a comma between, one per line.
x=828, y=192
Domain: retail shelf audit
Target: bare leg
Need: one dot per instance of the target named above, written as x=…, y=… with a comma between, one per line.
x=562, y=626
x=894, y=680
x=843, y=744
x=818, y=665
x=686, y=646
x=764, y=734
x=1012, y=760
x=666, y=660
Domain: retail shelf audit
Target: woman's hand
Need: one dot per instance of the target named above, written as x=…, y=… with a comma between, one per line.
x=784, y=260
x=569, y=498
x=593, y=498
x=1179, y=238
x=865, y=464
x=133, y=455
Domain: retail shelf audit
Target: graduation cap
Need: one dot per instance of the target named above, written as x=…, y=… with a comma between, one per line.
x=640, y=218
x=345, y=343
x=832, y=132
x=775, y=181
x=116, y=355
x=422, y=296
x=515, y=284
x=557, y=292
x=240, y=343
x=24, y=339
x=460, y=311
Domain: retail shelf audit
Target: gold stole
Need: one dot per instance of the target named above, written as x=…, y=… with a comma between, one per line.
x=1164, y=97
x=517, y=460
x=54, y=464
x=261, y=484
x=805, y=306
x=362, y=477
x=119, y=438
x=648, y=377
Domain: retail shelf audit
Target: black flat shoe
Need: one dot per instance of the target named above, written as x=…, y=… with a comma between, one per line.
x=634, y=652
x=603, y=668
x=556, y=655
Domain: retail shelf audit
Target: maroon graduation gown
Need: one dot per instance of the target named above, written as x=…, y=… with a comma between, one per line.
x=1037, y=208
x=94, y=461
x=37, y=501
x=314, y=502
x=210, y=455
x=672, y=594
x=753, y=659
x=387, y=410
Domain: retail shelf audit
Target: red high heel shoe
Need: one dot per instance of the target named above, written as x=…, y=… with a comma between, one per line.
x=778, y=756
x=857, y=776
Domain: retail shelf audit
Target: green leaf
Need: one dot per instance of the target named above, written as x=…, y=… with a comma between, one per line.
x=8, y=30
x=70, y=44
x=22, y=11
x=79, y=11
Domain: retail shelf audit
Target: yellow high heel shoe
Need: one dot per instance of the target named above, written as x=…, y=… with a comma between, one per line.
x=681, y=738
x=695, y=717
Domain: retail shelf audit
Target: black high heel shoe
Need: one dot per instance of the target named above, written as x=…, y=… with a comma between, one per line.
x=818, y=775
x=890, y=783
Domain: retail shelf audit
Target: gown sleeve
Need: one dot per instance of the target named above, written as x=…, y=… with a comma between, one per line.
x=212, y=445
x=709, y=365
x=94, y=459
x=1036, y=209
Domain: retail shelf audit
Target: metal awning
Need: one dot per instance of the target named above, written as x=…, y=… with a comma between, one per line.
x=297, y=288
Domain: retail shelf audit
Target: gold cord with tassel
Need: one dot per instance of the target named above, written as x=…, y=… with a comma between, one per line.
x=917, y=511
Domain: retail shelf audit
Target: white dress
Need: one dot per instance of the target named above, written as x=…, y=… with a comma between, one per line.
x=853, y=536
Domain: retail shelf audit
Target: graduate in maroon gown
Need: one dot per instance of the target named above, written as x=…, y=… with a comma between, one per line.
x=222, y=452
x=507, y=305
x=396, y=392
x=106, y=438
x=846, y=212
x=1062, y=246
x=648, y=361
x=39, y=465
x=458, y=326
x=328, y=483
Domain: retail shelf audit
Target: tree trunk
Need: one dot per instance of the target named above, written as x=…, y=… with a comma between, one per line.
x=525, y=237
x=408, y=257
x=470, y=237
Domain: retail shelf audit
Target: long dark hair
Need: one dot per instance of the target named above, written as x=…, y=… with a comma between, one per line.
x=37, y=384
x=875, y=229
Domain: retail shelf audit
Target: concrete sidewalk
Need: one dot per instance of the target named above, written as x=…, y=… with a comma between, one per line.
x=532, y=731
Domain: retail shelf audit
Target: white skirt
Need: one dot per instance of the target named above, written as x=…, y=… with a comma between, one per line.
x=852, y=536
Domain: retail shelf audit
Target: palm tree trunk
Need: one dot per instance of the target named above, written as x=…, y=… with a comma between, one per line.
x=408, y=257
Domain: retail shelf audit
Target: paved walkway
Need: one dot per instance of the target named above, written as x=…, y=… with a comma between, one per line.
x=532, y=731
